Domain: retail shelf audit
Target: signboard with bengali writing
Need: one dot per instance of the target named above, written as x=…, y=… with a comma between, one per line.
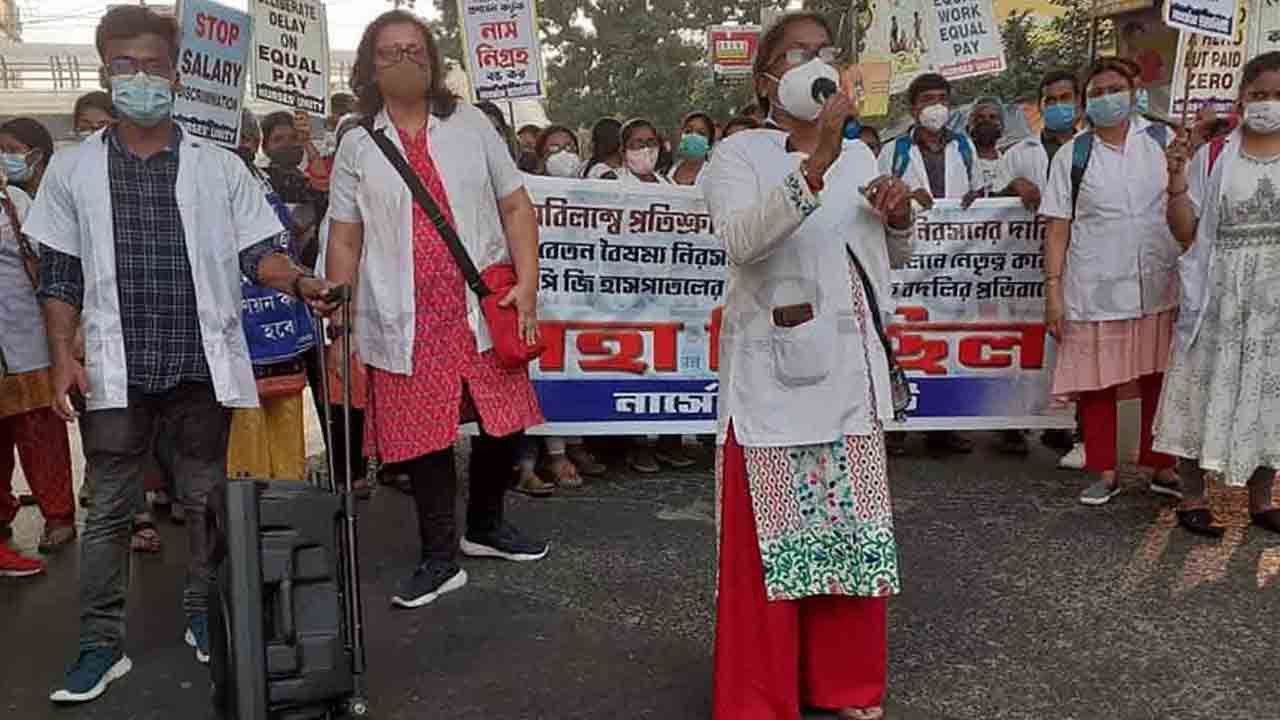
x=291, y=54
x=632, y=281
x=503, y=58
x=969, y=320
x=212, y=62
x=732, y=50
x=1215, y=18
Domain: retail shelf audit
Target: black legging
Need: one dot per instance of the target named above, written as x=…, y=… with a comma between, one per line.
x=435, y=491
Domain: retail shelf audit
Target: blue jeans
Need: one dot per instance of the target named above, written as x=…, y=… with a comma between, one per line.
x=118, y=447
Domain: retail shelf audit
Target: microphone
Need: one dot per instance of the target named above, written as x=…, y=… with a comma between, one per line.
x=824, y=88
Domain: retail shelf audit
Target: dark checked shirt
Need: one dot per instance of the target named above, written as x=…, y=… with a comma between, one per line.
x=158, y=311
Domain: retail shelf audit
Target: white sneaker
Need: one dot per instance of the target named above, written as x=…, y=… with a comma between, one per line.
x=1073, y=460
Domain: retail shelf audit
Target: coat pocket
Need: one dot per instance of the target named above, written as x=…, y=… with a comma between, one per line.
x=802, y=354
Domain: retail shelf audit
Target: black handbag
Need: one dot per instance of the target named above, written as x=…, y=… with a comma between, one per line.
x=899, y=387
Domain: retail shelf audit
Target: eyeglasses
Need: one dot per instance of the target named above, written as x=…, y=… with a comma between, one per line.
x=642, y=144
x=800, y=55
x=553, y=149
x=393, y=54
x=125, y=65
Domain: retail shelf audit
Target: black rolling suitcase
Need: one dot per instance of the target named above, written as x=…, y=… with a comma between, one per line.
x=286, y=630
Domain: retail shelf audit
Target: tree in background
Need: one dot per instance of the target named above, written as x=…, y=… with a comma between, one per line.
x=627, y=58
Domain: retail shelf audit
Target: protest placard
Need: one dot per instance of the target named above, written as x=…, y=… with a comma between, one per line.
x=503, y=58
x=1207, y=74
x=291, y=54
x=212, y=59
x=1264, y=32
x=868, y=84
x=1215, y=18
x=632, y=280
x=896, y=35
x=964, y=40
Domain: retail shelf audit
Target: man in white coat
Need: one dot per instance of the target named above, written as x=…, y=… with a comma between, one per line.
x=937, y=162
x=147, y=230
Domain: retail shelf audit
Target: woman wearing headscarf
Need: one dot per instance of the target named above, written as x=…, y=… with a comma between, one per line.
x=1220, y=411
x=419, y=327
x=807, y=556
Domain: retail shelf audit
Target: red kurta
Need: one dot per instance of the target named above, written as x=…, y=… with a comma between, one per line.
x=417, y=414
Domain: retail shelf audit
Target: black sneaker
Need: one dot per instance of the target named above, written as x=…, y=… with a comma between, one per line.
x=429, y=581
x=505, y=543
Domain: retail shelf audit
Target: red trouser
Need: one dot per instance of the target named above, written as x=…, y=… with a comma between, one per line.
x=41, y=439
x=1098, y=417
x=770, y=657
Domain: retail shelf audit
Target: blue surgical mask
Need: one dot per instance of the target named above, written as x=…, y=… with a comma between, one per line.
x=16, y=169
x=694, y=145
x=1060, y=117
x=1109, y=110
x=145, y=100
x=1142, y=100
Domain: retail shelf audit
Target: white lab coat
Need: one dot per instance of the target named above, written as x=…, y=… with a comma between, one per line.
x=477, y=171
x=917, y=177
x=1195, y=266
x=224, y=210
x=1122, y=259
x=787, y=386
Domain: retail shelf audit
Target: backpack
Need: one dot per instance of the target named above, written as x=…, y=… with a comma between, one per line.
x=902, y=153
x=1082, y=151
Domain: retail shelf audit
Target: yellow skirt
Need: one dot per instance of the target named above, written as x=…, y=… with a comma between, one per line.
x=268, y=442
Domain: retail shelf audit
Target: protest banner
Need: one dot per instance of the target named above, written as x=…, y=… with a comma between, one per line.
x=503, y=58
x=964, y=40
x=632, y=281
x=291, y=54
x=969, y=320
x=1214, y=18
x=1207, y=73
x=212, y=59
x=896, y=35
x=731, y=50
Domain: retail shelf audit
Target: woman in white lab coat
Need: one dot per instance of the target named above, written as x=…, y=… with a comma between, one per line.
x=807, y=551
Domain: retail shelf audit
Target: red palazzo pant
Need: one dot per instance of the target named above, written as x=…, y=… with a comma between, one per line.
x=41, y=440
x=773, y=657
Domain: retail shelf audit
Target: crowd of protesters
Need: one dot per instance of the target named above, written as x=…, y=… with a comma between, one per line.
x=129, y=261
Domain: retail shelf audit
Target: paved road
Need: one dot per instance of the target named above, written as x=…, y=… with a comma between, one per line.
x=1019, y=604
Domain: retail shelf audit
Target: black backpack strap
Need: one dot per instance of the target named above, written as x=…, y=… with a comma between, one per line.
x=428, y=204
x=869, y=291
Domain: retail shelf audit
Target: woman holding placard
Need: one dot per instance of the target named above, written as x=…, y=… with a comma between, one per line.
x=1220, y=411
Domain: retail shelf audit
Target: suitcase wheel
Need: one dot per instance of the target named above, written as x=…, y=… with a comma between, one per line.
x=358, y=707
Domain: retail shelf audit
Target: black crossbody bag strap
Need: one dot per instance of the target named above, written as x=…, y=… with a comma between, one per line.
x=869, y=291
x=428, y=204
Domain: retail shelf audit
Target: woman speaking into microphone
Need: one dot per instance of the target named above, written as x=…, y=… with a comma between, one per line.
x=807, y=552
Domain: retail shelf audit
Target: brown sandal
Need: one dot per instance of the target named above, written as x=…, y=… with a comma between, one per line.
x=564, y=473
x=146, y=539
